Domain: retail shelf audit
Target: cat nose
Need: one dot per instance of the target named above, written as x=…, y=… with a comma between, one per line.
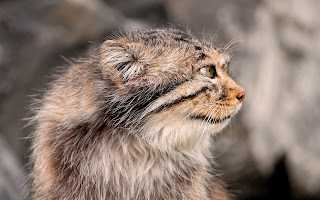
x=241, y=96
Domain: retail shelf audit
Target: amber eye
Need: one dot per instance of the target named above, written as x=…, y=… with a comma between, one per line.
x=209, y=71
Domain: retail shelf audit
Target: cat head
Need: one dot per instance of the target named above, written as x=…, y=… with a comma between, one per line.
x=171, y=86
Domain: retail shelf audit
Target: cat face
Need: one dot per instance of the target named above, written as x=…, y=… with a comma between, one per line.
x=176, y=88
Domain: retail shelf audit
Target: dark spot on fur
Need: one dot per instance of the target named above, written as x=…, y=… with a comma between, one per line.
x=224, y=94
x=192, y=67
x=152, y=32
x=201, y=57
x=152, y=37
x=197, y=48
x=214, y=87
x=180, y=39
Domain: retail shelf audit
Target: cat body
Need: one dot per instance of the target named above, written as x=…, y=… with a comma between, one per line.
x=134, y=121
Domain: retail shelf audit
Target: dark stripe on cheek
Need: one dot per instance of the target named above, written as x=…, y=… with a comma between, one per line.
x=181, y=99
x=139, y=101
x=158, y=94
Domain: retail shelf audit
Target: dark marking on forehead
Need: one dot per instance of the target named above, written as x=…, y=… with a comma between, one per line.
x=201, y=57
x=152, y=31
x=152, y=37
x=197, y=48
x=181, y=36
x=180, y=39
x=166, y=37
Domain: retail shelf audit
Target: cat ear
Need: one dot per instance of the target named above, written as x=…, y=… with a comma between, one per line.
x=121, y=57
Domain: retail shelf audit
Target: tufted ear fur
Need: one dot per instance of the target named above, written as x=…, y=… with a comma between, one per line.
x=122, y=57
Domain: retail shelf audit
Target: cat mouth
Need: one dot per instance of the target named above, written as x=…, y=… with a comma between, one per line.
x=209, y=119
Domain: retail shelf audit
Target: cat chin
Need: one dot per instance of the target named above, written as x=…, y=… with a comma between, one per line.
x=236, y=110
x=213, y=128
x=180, y=132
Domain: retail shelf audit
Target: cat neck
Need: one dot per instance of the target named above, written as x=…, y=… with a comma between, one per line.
x=136, y=165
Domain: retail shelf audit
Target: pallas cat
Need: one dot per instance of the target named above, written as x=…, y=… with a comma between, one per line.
x=134, y=121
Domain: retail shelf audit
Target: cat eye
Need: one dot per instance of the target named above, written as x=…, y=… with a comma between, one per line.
x=209, y=71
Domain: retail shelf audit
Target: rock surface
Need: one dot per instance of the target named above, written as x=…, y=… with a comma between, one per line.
x=276, y=58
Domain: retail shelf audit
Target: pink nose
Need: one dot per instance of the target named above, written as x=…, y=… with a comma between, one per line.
x=241, y=96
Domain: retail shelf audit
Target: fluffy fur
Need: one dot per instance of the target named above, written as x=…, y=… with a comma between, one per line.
x=134, y=121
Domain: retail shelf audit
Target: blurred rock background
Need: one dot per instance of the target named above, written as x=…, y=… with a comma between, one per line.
x=270, y=151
